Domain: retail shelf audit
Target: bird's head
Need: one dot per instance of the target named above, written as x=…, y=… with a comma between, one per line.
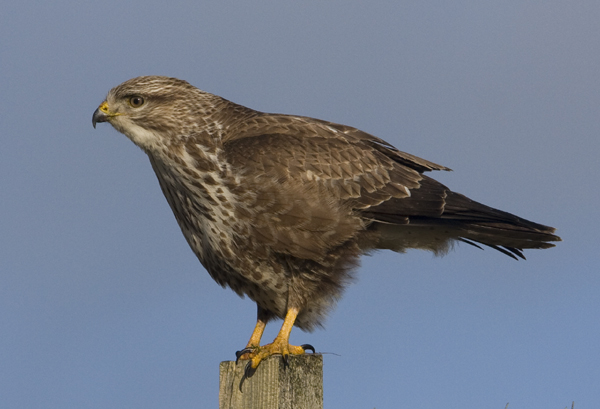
x=156, y=111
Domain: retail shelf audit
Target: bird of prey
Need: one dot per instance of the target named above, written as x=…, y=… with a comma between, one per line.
x=280, y=207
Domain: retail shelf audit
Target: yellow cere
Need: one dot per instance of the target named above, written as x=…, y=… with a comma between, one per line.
x=104, y=108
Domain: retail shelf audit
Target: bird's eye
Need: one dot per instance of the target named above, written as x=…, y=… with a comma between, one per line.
x=136, y=102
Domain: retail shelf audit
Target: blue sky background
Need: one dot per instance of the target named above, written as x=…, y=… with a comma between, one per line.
x=102, y=303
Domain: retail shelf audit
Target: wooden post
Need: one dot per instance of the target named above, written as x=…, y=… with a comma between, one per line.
x=299, y=386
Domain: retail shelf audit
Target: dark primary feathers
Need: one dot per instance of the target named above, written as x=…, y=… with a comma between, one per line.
x=280, y=207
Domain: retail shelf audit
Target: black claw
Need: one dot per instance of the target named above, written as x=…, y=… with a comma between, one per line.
x=286, y=361
x=306, y=347
x=238, y=354
x=248, y=372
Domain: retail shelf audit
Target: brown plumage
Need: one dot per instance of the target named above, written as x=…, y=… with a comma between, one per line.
x=280, y=207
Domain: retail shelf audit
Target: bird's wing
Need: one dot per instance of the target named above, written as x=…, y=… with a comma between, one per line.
x=312, y=180
x=352, y=179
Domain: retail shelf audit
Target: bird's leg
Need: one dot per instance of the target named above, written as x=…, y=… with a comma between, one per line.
x=257, y=334
x=254, y=343
x=280, y=345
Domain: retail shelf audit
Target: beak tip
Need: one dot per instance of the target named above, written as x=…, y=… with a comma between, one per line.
x=98, y=116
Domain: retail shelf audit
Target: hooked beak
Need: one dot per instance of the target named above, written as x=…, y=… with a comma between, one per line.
x=102, y=114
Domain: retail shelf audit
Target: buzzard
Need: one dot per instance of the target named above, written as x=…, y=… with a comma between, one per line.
x=280, y=207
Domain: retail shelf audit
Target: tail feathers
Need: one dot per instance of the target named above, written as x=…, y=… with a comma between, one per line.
x=495, y=228
x=470, y=222
x=507, y=238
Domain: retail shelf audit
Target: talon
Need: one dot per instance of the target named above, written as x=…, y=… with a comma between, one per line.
x=248, y=372
x=286, y=362
x=307, y=347
x=238, y=354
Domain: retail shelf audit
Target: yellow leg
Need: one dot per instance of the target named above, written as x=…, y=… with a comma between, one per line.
x=254, y=342
x=257, y=334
